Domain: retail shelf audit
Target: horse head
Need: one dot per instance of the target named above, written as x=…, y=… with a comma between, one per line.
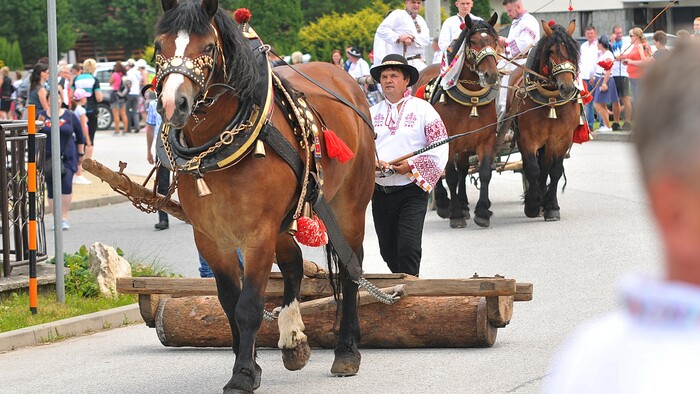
x=481, y=41
x=559, y=56
x=197, y=47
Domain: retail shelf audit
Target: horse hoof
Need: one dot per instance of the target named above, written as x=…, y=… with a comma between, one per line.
x=244, y=381
x=296, y=358
x=482, y=222
x=551, y=215
x=258, y=377
x=466, y=214
x=532, y=212
x=346, y=364
x=443, y=212
x=458, y=223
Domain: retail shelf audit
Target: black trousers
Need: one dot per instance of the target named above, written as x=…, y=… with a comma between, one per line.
x=399, y=215
x=163, y=185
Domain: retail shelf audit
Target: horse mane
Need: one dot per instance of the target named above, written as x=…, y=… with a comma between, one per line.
x=243, y=74
x=559, y=35
x=477, y=25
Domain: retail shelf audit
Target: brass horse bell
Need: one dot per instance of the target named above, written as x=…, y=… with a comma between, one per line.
x=292, y=230
x=202, y=187
x=474, y=113
x=259, y=151
x=552, y=113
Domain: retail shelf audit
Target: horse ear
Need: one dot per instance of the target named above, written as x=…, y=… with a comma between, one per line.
x=468, y=22
x=210, y=6
x=571, y=27
x=546, y=28
x=168, y=4
x=493, y=19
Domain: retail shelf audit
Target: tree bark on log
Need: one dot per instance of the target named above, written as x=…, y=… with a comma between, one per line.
x=132, y=189
x=413, y=322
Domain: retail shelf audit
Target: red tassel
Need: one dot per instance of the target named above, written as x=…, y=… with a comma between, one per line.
x=241, y=16
x=311, y=231
x=606, y=64
x=420, y=93
x=586, y=96
x=582, y=134
x=336, y=148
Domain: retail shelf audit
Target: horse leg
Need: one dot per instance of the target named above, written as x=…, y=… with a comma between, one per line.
x=248, y=313
x=482, y=214
x=551, y=203
x=533, y=197
x=456, y=217
x=462, y=172
x=347, y=356
x=442, y=200
x=293, y=342
x=544, y=161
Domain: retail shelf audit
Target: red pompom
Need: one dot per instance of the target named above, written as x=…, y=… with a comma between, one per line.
x=571, y=8
x=606, y=64
x=420, y=93
x=462, y=26
x=336, y=148
x=241, y=16
x=311, y=231
x=551, y=23
x=582, y=134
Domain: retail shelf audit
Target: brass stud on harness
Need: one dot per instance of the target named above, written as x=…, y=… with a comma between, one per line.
x=259, y=151
x=202, y=187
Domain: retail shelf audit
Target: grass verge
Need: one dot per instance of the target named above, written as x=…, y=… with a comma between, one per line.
x=15, y=308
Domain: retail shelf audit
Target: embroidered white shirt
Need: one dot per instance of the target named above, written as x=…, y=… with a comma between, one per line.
x=399, y=22
x=451, y=29
x=415, y=126
x=524, y=31
x=652, y=345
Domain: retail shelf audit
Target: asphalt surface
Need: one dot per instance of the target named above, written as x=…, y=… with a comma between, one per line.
x=605, y=231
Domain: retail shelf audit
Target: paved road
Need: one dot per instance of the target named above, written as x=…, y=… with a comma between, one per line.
x=605, y=231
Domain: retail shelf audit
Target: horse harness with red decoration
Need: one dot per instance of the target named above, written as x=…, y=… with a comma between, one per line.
x=247, y=132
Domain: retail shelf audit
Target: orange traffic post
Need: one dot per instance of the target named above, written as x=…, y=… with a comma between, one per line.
x=31, y=188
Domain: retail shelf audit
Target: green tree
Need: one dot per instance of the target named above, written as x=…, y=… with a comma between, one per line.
x=126, y=24
x=277, y=22
x=337, y=31
x=481, y=8
x=27, y=23
x=314, y=9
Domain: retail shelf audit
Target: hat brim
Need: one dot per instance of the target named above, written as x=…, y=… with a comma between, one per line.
x=376, y=71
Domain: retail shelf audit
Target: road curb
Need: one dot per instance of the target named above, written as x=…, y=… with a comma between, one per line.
x=617, y=136
x=67, y=328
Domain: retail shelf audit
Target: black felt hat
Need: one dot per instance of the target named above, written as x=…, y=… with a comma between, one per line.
x=352, y=51
x=395, y=61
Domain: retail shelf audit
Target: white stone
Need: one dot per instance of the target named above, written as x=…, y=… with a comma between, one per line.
x=107, y=266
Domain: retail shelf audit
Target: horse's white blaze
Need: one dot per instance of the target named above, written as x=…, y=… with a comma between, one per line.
x=291, y=326
x=175, y=79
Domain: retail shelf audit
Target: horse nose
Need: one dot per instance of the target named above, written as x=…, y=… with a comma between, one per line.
x=183, y=105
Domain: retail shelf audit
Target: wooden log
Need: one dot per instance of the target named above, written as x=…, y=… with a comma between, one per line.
x=132, y=189
x=148, y=306
x=413, y=322
x=499, y=310
x=318, y=287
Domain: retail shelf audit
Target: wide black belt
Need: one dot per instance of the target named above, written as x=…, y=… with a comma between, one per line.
x=415, y=57
x=391, y=189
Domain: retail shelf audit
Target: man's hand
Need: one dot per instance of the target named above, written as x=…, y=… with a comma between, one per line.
x=150, y=157
x=401, y=167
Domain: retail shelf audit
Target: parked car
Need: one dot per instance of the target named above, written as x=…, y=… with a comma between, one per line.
x=104, y=112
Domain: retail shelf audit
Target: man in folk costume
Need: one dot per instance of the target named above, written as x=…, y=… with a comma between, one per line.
x=524, y=34
x=452, y=27
x=403, y=124
x=406, y=33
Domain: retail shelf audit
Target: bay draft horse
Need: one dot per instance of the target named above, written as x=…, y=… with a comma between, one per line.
x=544, y=135
x=470, y=105
x=199, y=48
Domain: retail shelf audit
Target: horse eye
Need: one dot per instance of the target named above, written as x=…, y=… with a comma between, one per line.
x=209, y=49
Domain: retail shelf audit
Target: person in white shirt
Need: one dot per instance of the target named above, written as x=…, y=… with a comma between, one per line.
x=587, y=65
x=403, y=124
x=523, y=35
x=358, y=66
x=652, y=343
x=452, y=27
x=132, y=100
x=622, y=82
x=405, y=33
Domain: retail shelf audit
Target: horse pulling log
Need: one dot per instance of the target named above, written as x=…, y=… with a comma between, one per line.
x=470, y=311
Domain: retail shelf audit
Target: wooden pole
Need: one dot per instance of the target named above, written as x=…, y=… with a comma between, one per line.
x=132, y=189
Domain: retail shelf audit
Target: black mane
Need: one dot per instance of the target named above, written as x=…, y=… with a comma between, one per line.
x=559, y=35
x=189, y=16
x=477, y=26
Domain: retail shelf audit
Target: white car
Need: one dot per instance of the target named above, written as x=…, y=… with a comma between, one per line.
x=103, y=72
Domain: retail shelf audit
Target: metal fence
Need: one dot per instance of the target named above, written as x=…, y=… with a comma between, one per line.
x=14, y=196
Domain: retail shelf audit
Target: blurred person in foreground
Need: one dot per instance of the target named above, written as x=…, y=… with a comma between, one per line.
x=652, y=345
